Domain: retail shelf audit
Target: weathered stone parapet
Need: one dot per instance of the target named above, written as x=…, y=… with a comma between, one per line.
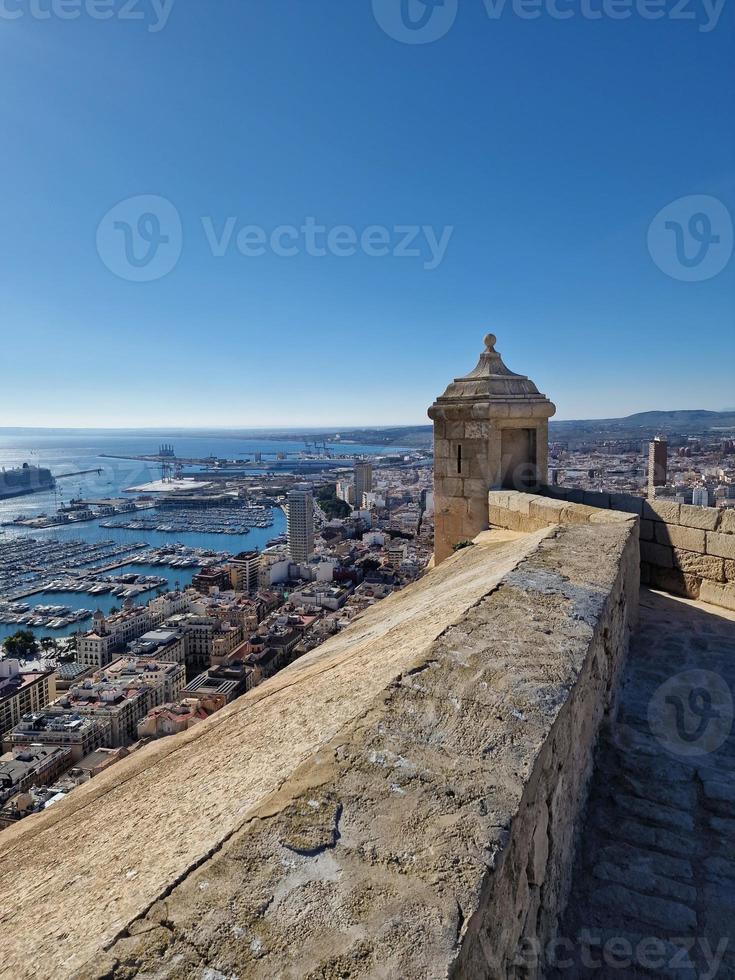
x=402, y=802
x=683, y=548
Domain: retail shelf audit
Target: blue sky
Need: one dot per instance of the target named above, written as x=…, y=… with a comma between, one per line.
x=541, y=149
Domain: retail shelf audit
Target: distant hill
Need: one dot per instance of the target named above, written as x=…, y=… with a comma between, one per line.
x=642, y=425
x=647, y=424
x=415, y=436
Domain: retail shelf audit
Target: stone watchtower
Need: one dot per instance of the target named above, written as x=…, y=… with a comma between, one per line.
x=491, y=431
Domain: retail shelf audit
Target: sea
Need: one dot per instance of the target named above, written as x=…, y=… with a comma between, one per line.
x=71, y=451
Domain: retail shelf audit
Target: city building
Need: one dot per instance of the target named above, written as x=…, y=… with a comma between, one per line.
x=175, y=717
x=21, y=767
x=658, y=452
x=108, y=635
x=120, y=708
x=162, y=644
x=24, y=768
x=22, y=692
x=300, y=525
x=363, y=473
x=396, y=551
x=211, y=578
x=244, y=569
x=163, y=680
x=220, y=685
x=703, y=497
x=57, y=726
x=345, y=490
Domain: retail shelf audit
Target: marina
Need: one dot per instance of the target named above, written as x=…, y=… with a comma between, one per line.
x=62, y=546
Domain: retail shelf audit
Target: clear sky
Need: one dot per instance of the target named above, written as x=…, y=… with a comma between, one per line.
x=529, y=153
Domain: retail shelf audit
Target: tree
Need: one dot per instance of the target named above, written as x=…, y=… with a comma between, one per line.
x=330, y=503
x=22, y=644
x=48, y=643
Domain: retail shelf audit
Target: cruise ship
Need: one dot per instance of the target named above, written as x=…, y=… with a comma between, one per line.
x=25, y=479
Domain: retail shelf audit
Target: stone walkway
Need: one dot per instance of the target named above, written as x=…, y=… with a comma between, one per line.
x=653, y=890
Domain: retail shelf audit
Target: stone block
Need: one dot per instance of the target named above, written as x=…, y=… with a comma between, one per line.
x=730, y=569
x=442, y=449
x=446, y=486
x=456, y=413
x=482, y=411
x=455, y=430
x=727, y=521
x=477, y=430
x=575, y=495
x=500, y=498
x=722, y=545
x=672, y=580
x=475, y=488
x=549, y=511
x=627, y=503
x=580, y=513
x=556, y=493
x=705, y=518
x=611, y=517
x=657, y=913
x=661, y=510
x=706, y=566
x=645, y=573
x=502, y=517
x=646, y=529
x=718, y=595
x=688, y=538
x=521, y=502
x=594, y=499
x=657, y=554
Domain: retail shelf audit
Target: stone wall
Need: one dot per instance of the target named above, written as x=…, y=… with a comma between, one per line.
x=686, y=550
x=402, y=802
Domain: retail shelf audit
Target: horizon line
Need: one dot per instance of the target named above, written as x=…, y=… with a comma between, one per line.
x=304, y=427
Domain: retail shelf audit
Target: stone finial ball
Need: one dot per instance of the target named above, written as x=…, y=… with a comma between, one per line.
x=490, y=341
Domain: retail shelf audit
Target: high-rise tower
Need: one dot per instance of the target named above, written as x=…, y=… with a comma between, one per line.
x=658, y=464
x=300, y=525
x=363, y=480
x=491, y=430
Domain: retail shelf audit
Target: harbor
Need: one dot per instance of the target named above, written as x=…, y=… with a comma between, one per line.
x=114, y=520
x=216, y=520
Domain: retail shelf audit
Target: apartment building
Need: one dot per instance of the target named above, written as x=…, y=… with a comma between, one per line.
x=22, y=692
